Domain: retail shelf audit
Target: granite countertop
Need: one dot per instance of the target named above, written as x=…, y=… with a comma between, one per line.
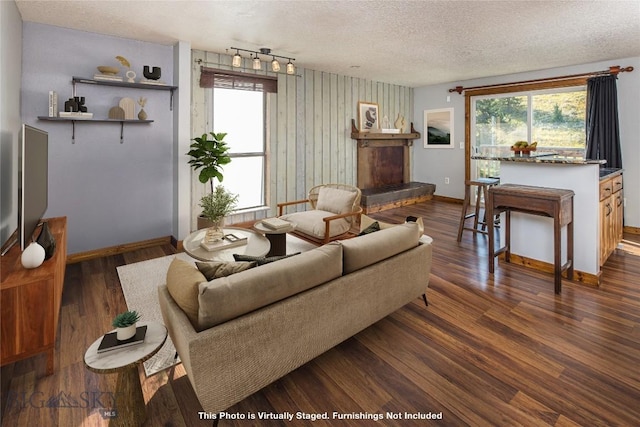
x=541, y=157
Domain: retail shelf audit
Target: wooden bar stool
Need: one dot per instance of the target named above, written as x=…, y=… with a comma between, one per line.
x=483, y=185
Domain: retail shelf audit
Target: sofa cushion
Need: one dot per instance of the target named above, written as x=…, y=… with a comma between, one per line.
x=362, y=251
x=311, y=223
x=232, y=296
x=335, y=200
x=262, y=260
x=215, y=269
x=183, y=279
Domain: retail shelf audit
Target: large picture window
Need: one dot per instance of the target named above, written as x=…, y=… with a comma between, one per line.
x=554, y=118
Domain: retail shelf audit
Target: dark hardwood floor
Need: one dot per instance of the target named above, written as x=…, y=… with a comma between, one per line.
x=499, y=350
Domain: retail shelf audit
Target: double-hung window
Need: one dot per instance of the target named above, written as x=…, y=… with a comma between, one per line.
x=239, y=108
x=554, y=118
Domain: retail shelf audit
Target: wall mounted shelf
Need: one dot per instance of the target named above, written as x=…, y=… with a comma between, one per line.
x=148, y=86
x=73, y=124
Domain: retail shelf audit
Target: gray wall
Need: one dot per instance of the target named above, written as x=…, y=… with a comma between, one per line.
x=111, y=193
x=11, y=60
x=433, y=165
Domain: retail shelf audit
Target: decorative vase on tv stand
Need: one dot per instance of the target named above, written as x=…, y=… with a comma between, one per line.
x=125, y=324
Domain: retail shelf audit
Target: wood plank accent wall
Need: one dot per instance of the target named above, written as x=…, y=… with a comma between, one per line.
x=309, y=128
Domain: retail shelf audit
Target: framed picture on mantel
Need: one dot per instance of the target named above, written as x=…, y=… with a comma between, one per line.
x=368, y=120
x=438, y=126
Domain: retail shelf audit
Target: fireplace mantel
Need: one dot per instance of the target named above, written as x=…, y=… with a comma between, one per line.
x=383, y=158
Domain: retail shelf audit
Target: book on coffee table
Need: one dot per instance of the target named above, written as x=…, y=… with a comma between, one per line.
x=110, y=341
x=228, y=241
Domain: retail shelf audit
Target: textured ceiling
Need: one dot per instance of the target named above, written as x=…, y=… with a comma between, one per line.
x=412, y=43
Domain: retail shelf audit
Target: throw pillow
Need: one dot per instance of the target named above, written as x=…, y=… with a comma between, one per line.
x=182, y=283
x=375, y=226
x=335, y=200
x=217, y=269
x=261, y=260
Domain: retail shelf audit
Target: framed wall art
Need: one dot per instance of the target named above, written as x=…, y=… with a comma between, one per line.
x=368, y=119
x=438, y=128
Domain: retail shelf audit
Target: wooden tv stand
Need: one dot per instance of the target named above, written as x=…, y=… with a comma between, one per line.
x=30, y=301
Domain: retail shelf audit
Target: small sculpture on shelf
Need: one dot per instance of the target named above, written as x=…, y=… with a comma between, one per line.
x=75, y=105
x=142, y=115
x=154, y=74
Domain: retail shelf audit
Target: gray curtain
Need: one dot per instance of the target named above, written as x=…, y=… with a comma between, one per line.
x=603, y=133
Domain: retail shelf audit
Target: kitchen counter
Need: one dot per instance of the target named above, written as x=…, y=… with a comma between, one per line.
x=541, y=157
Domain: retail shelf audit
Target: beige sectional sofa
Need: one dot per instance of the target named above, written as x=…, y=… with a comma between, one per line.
x=257, y=325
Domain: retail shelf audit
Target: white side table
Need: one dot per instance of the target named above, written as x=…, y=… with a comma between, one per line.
x=131, y=410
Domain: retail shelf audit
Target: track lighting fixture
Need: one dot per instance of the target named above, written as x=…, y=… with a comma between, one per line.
x=256, y=62
x=237, y=60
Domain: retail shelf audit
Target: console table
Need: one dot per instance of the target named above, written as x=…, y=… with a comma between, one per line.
x=550, y=202
x=30, y=301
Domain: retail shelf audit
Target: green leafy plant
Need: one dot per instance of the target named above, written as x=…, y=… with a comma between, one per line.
x=218, y=204
x=208, y=156
x=125, y=319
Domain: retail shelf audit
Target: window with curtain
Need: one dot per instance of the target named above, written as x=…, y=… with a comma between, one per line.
x=554, y=118
x=239, y=108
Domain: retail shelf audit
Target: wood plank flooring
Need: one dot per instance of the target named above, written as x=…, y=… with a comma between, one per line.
x=499, y=350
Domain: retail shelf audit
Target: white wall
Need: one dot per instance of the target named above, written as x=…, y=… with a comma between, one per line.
x=433, y=165
x=11, y=60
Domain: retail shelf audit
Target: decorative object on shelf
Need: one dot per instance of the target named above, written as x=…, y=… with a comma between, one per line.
x=125, y=324
x=107, y=70
x=47, y=241
x=129, y=107
x=75, y=105
x=256, y=63
x=524, y=148
x=438, y=128
x=385, y=122
x=116, y=113
x=124, y=61
x=368, y=116
x=142, y=115
x=53, y=104
x=400, y=123
x=32, y=256
x=131, y=76
x=154, y=74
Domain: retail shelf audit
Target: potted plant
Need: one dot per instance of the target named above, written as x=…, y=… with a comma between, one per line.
x=215, y=206
x=209, y=155
x=125, y=324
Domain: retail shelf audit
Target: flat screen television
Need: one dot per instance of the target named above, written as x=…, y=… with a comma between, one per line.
x=33, y=187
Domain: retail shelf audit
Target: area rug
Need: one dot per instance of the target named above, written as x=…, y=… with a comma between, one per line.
x=140, y=283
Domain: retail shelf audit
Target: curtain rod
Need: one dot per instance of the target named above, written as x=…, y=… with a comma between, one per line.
x=244, y=70
x=612, y=70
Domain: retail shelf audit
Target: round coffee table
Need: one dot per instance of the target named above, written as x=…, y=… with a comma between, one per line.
x=132, y=411
x=257, y=245
x=277, y=237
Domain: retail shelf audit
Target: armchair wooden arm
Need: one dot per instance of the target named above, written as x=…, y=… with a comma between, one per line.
x=295, y=202
x=327, y=221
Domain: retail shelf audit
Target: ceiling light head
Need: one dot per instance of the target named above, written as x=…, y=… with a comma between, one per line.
x=275, y=65
x=237, y=60
x=291, y=69
x=257, y=65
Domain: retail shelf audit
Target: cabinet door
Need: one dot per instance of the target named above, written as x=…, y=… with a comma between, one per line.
x=27, y=319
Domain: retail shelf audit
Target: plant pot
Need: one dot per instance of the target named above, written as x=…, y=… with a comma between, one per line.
x=215, y=232
x=123, y=334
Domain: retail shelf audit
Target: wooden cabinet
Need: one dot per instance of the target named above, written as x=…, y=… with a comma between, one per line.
x=611, y=215
x=30, y=301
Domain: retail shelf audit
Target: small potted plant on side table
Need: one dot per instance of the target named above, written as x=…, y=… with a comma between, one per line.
x=125, y=324
x=215, y=206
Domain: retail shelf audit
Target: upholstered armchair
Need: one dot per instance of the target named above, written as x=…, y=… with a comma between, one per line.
x=335, y=209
